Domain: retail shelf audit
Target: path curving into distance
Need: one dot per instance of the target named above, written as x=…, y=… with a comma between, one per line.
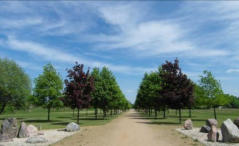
x=128, y=130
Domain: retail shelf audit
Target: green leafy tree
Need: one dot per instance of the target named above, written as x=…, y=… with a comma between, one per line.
x=15, y=85
x=48, y=87
x=213, y=94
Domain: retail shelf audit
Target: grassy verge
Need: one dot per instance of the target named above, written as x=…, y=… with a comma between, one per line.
x=59, y=119
x=199, y=116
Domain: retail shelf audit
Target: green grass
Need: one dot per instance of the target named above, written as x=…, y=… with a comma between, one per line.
x=199, y=116
x=59, y=119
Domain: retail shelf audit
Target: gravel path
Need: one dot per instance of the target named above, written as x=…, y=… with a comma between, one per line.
x=202, y=137
x=130, y=129
x=51, y=135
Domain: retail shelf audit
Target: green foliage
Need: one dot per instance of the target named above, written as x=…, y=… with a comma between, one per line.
x=212, y=92
x=15, y=85
x=48, y=87
x=107, y=94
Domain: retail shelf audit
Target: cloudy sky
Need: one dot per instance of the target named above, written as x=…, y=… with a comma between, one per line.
x=130, y=38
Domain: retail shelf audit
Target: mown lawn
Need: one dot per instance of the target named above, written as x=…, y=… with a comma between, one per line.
x=199, y=116
x=59, y=119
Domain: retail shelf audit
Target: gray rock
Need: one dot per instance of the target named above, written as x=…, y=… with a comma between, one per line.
x=72, y=127
x=230, y=132
x=23, y=131
x=36, y=139
x=32, y=130
x=8, y=129
x=236, y=122
x=188, y=124
x=213, y=135
x=205, y=129
x=211, y=122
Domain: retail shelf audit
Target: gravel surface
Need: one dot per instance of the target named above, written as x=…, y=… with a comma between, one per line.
x=52, y=136
x=202, y=137
x=129, y=129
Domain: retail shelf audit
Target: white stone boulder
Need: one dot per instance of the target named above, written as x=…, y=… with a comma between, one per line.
x=188, y=124
x=32, y=130
x=230, y=132
x=23, y=130
x=71, y=127
x=36, y=139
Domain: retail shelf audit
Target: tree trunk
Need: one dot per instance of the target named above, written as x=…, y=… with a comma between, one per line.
x=73, y=112
x=180, y=118
x=164, y=113
x=215, y=114
x=104, y=114
x=48, y=111
x=78, y=115
x=155, y=113
x=96, y=113
x=3, y=107
x=176, y=112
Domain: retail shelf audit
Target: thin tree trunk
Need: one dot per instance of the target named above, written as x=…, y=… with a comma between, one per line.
x=73, y=112
x=78, y=115
x=215, y=114
x=180, y=118
x=155, y=114
x=176, y=112
x=164, y=113
x=3, y=107
x=49, y=110
x=96, y=113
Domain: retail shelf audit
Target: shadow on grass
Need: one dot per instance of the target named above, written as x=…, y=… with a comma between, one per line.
x=61, y=123
x=10, y=117
x=41, y=121
x=160, y=123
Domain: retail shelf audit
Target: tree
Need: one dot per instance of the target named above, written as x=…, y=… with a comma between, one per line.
x=48, y=87
x=177, y=89
x=98, y=90
x=79, y=86
x=107, y=94
x=212, y=91
x=15, y=85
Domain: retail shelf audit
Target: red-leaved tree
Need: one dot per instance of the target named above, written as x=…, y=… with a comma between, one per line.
x=79, y=86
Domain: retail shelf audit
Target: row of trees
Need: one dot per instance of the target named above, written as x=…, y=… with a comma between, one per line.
x=170, y=88
x=83, y=89
x=166, y=88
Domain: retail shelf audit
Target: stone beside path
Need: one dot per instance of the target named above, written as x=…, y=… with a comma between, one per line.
x=195, y=134
x=52, y=136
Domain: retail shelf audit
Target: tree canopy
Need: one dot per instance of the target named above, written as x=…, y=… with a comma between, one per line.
x=48, y=88
x=15, y=85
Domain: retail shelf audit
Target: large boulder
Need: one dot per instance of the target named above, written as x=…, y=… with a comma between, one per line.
x=211, y=122
x=188, y=124
x=8, y=129
x=36, y=139
x=205, y=129
x=23, y=130
x=72, y=127
x=236, y=122
x=230, y=132
x=213, y=135
x=32, y=130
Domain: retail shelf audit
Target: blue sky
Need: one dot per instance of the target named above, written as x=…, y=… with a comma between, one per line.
x=130, y=38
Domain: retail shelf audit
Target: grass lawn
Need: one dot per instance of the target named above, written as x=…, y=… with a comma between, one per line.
x=59, y=119
x=199, y=116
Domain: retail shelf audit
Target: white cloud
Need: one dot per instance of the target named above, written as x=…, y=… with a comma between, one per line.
x=232, y=71
x=52, y=54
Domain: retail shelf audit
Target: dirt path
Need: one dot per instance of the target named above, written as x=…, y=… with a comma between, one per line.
x=128, y=130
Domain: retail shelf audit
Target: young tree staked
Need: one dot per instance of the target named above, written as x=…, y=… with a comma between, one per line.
x=79, y=86
x=48, y=88
x=213, y=94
